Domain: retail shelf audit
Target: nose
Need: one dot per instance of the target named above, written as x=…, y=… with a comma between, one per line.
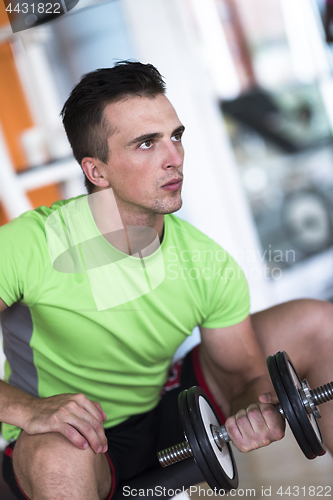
x=174, y=155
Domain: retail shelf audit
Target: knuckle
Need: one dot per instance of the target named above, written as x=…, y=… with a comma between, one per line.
x=70, y=406
x=73, y=436
x=253, y=411
x=68, y=431
x=60, y=412
x=96, y=425
x=80, y=397
x=54, y=422
x=266, y=442
x=233, y=431
x=245, y=448
x=242, y=420
x=268, y=411
x=279, y=434
x=252, y=407
x=230, y=424
x=239, y=414
x=99, y=419
x=86, y=427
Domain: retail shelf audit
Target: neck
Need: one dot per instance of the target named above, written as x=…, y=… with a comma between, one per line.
x=131, y=233
x=143, y=233
x=154, y=221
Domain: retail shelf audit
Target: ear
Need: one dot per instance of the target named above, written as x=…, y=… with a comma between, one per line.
x=93, y=169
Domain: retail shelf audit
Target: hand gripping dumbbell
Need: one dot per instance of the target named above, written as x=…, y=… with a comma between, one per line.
x=208, y=441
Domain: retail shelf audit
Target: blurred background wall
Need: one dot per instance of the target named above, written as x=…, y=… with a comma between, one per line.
x=252, y=82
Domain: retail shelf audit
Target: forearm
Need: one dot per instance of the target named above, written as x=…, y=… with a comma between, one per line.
x=250, y=394
x=14, y=405
x=235, y=369
x=234, y=391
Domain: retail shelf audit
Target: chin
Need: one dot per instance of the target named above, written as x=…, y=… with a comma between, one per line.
x=173, y=208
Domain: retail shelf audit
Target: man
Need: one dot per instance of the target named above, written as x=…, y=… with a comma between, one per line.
x=92, y=316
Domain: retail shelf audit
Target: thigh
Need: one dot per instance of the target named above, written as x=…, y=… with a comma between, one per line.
x=302, y=328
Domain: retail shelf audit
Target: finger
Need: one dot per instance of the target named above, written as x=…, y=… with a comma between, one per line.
x=90, y=406
x=94, y=409
x=97, y=428
x=252, y=431
x=244, y=423
x=73, y=413
x=269, y=397
x=89, y=428
x=258, y=423
x=73, y=436
x=273, y=420
x=100, y=409
x=238, y=426
x=267, y=423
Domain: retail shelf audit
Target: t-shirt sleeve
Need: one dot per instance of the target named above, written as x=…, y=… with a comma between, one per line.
x=22, y=261
x=229, y=299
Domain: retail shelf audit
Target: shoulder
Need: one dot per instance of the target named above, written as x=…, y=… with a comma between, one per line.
x=185, y=231
x=30, y=224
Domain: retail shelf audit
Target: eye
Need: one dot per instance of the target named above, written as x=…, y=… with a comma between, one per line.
x=177, y=137
x=146, y=145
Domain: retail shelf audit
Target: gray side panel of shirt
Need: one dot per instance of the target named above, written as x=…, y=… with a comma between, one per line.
x=17, y=328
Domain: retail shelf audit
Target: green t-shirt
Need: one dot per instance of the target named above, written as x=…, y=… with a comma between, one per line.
x=88, y=318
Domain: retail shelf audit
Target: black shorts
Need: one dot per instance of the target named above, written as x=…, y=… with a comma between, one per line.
x=133, y=444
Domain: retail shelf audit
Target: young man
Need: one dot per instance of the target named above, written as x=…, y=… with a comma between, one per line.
x=95, y=303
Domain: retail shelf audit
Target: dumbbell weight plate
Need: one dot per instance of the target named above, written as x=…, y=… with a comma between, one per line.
x=292, y=384
x=219, y=459
x=287, y=407
x=193, y=442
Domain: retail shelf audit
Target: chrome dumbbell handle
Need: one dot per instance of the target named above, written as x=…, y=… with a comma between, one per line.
x=322, y=394
x=174, y=454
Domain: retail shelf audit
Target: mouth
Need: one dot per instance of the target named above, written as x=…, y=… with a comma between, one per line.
x=173, y=184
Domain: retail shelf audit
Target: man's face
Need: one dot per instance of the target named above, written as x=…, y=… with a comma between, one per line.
x=145, y=155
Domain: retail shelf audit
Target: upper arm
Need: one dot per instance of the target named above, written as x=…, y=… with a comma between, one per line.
x=3, y=306
x=24, y=260
x=231, y=356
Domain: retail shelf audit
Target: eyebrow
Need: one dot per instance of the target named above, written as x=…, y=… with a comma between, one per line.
x=154, y=135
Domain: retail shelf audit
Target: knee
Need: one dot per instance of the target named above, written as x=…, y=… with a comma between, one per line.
x=313, y=334
x=300, y=327
x=46, y=459
x=318, y=316
x=42, y=449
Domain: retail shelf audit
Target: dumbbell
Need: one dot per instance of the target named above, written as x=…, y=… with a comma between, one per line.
x=208, y=441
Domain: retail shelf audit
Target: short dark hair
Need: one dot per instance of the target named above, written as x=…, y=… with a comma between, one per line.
x=83, y=112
